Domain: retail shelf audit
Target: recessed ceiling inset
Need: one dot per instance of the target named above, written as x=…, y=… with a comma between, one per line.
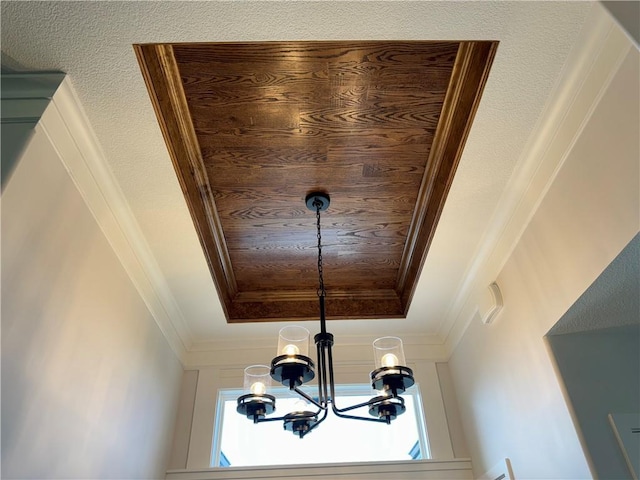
x=252, y=128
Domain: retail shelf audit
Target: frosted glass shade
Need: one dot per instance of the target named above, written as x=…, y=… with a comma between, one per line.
x=388, y=352
x=293, y=340
x=257, y=380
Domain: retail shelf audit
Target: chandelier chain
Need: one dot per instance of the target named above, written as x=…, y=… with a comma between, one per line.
x=321, y=291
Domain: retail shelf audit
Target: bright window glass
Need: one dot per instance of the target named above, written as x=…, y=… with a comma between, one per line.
x=240, y=442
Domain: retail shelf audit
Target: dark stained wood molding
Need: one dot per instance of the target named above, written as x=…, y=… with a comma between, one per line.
x=468, y=79
x=163, y=82
x=298, y=296
x=344, y=308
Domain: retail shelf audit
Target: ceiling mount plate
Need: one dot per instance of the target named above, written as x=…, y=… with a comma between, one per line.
x=317, y=198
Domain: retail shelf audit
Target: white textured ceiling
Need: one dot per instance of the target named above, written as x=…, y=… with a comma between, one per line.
x=611, y=301
x=92, y=43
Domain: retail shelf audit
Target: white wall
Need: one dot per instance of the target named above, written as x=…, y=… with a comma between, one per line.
x=89, y=383
x=511, y=401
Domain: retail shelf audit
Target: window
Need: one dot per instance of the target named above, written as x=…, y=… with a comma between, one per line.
x=239, y=442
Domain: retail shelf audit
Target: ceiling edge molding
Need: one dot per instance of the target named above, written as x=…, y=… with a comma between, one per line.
x=588, y=71
x=162, y=78
x=67, y=127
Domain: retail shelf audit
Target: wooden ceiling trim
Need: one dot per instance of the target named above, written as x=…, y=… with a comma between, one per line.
x=468, y=79
x=164, y=85
x=348, y=308
x=381, y=124
x=312, y=295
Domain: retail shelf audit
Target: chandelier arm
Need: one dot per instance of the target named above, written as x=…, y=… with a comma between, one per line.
x=353, y=407
x=368, y=403
x=337, y=411
x=324, y=416
x=269, y=419
x=319, y=359
x=307, y=414
x=354, y=417
x=332, y=385
x=309, y=398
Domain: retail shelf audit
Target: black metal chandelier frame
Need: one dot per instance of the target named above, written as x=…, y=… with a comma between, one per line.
x=293, y=371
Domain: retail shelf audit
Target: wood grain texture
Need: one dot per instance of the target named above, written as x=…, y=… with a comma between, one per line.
x=253, y=127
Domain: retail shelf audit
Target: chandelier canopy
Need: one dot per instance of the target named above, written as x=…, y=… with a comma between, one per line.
x=292, y=367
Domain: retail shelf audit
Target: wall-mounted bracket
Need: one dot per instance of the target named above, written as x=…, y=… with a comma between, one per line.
x=490, y=304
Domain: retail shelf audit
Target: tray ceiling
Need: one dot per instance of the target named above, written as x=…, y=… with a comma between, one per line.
x=253, y=127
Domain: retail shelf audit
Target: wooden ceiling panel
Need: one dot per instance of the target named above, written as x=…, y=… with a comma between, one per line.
x=253, y=127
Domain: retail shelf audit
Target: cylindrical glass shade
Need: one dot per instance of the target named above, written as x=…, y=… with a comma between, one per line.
x=257, y=380
x=388, y=352
x=293, y=340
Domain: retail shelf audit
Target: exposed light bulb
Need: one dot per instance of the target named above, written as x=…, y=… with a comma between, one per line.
x=389, y=360
x=291, y=350
x=258, y=388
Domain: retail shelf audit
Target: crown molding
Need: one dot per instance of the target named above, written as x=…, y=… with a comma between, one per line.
x=588, y=71
x=67, y=127
x=23, y=97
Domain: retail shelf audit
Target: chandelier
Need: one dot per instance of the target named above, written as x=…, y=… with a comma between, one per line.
x=292, y=367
